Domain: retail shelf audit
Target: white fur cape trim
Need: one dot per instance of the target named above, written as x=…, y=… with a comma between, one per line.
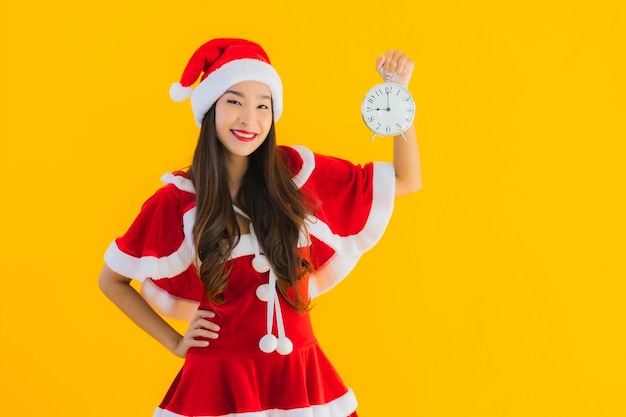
x=348, y=249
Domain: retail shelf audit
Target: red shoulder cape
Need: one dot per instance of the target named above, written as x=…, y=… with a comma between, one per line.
x=356, y=203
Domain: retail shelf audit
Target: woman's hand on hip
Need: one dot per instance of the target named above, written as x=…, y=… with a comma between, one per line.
x=200, y=329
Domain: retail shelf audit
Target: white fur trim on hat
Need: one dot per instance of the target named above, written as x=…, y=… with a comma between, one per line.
x=231, y=73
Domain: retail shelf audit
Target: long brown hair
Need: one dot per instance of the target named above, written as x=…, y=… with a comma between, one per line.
x=267, y=194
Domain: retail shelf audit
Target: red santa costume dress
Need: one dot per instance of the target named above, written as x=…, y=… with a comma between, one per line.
x=266, y=361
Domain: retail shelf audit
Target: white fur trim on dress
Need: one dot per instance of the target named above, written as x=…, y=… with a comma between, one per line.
x=212, y=87
x=308, y=166
x=151, y=266
x=180, y=182
x=164, y=302
x=348, y=249
x=341, y=407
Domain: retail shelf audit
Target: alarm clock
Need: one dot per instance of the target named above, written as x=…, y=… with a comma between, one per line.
x=388, y=108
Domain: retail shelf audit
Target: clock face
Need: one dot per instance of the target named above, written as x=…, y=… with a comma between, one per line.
x=388, y=109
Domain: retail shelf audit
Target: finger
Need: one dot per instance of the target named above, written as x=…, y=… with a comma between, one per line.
x=386, y=62
x=379, y=63
x=202, y=323
x=392, y=56
x=404, y=65
x=192, y=337
x=203, y=314
x=202, y=333
x=197, y=343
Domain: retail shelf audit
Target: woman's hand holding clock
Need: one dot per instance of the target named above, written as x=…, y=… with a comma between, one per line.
x=396, y=65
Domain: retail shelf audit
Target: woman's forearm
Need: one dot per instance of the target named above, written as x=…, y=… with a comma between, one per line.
x=118, y=289
x=406, y=160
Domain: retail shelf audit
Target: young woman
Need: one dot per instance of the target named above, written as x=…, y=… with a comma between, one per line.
x=241, y=243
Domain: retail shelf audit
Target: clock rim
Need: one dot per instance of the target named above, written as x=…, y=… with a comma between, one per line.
x=395, y=133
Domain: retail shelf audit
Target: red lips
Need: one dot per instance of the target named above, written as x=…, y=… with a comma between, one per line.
x=243, y=135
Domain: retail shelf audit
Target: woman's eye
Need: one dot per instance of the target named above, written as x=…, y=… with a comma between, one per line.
x=263, y=106
x=232, y=102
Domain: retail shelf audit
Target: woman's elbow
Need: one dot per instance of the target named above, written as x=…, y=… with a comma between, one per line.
x=109, y=278
x=406, y=188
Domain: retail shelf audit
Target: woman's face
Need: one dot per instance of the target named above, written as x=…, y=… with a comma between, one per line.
x=243, y=117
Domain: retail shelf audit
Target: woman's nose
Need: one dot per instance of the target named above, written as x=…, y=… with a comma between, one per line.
x=246, y=116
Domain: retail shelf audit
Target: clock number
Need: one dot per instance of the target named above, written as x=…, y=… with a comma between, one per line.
x=370, y=119
x=388, y=129
x=388, y=89
x=398, y=126
x=372, y=97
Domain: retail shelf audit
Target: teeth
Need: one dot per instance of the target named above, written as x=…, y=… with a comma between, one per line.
x=243, y=135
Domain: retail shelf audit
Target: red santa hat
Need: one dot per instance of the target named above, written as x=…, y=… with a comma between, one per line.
x=220, y=64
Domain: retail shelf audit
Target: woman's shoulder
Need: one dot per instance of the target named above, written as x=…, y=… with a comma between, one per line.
x=300, y=162
x=294, y=155
x=178, y=182
x=305, y=164
x=177, y=194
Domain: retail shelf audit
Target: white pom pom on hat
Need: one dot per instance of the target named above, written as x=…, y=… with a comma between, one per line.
x=220, y=64
x=180, y=93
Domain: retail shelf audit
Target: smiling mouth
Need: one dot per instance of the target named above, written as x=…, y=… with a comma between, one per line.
x=244, y=136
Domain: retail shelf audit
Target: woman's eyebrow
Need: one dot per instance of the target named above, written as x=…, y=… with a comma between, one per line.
x=240, y=94
x=235, y=92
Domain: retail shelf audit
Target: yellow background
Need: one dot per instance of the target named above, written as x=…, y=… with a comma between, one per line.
x=497, y=291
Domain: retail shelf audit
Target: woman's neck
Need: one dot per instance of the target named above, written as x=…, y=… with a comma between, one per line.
x=236, y=167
